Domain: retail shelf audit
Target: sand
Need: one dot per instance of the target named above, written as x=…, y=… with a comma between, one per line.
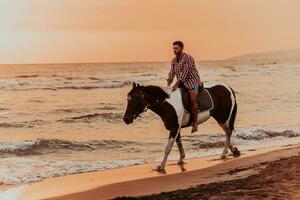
x=233, y=179
x=141, y=180
x=279, y=179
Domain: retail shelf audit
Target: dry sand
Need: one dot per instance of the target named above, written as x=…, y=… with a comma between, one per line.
x=141, y=180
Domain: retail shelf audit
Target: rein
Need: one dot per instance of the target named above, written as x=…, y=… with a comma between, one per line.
x=149, y=106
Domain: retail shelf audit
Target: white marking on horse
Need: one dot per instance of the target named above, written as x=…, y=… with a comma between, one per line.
x=175, y=100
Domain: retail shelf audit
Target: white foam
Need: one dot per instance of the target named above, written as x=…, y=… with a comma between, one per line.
x=27, y=169
x=11, y=194
x=19, y=145
x=260, y=134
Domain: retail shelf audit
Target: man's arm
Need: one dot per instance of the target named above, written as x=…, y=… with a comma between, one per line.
x=169, y=81
x=171, y=75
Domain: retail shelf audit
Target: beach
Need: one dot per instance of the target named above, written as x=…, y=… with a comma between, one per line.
x=92, y=104
x=60, y=121
x=261, y=174
x=262, y=177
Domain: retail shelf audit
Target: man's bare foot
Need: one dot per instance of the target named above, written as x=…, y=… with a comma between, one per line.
x=194, y=129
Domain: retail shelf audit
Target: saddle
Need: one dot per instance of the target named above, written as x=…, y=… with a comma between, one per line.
x=204, y=99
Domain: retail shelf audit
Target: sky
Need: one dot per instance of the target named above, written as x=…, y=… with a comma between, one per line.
x=69, y=31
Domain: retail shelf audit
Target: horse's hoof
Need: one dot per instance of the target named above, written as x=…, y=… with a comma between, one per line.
x=180, y=162
x=194, y=130
x=223, y=156
x=235, y=152
x=160, y=169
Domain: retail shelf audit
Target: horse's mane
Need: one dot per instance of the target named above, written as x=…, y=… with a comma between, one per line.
x=157, y=92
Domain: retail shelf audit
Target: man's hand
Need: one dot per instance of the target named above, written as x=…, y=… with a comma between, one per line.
x=169, y=81
x=175, y=86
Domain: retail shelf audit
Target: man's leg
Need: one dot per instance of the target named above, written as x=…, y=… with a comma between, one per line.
x=193, y=96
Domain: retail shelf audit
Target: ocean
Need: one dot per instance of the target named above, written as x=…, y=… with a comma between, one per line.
x=59, y=119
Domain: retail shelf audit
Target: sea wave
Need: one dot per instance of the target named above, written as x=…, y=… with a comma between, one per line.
x=108, y=117
x=260, y=134
x=23, y=124
x=42, y=146
x=38, y=82
x=247, y=136
x=28, y=76
x=23, y=169
x=192, y=142
x=53, y=168
x=101, y=108
x=89, y=86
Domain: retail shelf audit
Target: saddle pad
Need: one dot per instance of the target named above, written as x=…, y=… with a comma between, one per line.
x=204, y=100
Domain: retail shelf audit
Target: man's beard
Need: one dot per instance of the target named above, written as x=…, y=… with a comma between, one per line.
x=177, y=53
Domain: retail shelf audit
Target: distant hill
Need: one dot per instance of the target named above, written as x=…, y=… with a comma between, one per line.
x=293, y=54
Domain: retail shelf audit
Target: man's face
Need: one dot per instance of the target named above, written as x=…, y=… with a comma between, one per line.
x=177, y=49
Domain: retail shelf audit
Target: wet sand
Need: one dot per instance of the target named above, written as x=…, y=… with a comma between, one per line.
x=142, y=180
x=278, y=179
x=271, y=175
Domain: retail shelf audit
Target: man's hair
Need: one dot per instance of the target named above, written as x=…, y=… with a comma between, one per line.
x=179, y=43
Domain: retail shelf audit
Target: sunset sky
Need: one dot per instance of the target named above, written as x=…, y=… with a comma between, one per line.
x=40, y=31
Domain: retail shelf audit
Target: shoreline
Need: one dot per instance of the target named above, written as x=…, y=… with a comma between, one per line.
x=111, y=183
x=273, y=179
x=181, y=181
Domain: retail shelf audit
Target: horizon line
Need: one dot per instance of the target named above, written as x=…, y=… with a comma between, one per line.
x=232, y=58
x=121, y=62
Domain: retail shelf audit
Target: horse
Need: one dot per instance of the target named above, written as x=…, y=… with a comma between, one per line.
x=217, y=101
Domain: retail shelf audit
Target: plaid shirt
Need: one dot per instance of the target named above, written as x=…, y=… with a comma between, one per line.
x=185, y=71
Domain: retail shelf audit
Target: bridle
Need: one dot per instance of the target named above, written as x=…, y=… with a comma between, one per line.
x=148, y=106
x=136, y=112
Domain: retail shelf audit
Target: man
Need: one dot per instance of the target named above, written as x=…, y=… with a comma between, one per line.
x=183, y=66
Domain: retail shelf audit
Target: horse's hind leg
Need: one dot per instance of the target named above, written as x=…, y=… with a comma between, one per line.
x=228, y=143
x=181, y=150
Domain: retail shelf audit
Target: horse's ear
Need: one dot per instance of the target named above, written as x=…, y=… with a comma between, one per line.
x=137, y=85
x=133, y=85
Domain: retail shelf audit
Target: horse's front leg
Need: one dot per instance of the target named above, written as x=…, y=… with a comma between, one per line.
x=172, y=139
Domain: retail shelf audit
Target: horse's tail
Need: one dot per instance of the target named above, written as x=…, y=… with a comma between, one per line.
x=234, y=112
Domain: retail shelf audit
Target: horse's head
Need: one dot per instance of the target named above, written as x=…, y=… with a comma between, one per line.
x=136, y=103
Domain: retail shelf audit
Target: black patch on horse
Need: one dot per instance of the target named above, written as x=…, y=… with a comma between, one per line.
x=156, y=97
x=154, y=93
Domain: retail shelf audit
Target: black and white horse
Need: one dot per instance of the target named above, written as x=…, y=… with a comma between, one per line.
x=171, y=107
